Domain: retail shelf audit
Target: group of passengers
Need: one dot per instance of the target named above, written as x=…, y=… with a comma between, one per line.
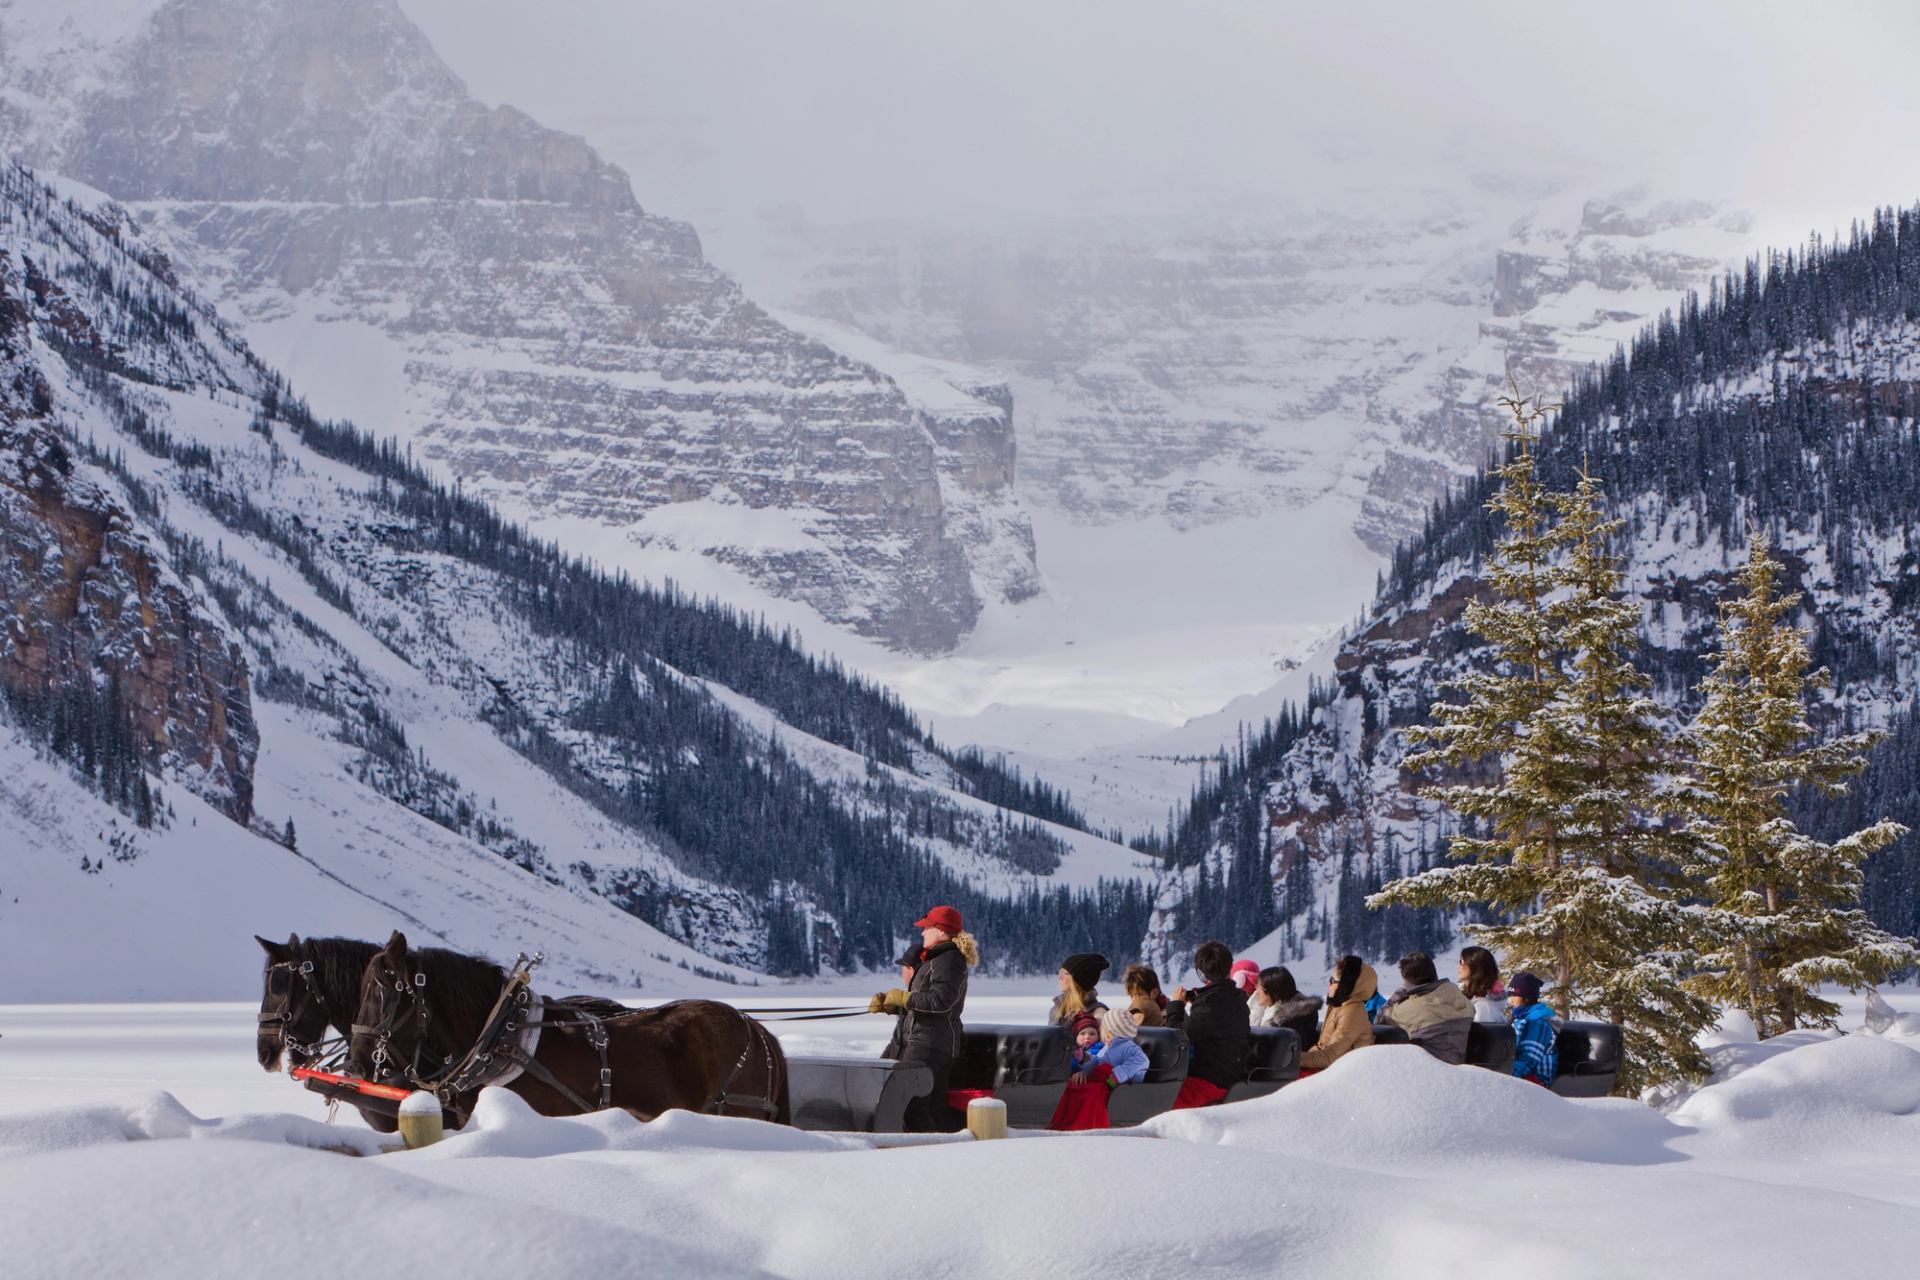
x=1238, y=995
x=1217, y=1016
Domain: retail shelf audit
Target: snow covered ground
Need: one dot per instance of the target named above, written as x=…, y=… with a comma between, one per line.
x=143, y=1140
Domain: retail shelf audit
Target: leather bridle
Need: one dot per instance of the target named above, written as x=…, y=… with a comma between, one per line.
x=279, y=1016
x=395, y=1014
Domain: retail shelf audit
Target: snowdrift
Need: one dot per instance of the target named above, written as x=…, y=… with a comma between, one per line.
x=1388, y=1164
x=1396, y=1108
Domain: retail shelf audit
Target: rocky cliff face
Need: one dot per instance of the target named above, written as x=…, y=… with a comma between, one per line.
x=550, y=344
x=1569, y=283
x=1270, y=356
x=89, y=602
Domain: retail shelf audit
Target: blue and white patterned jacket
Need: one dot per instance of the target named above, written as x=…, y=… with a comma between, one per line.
x=1534, y=1028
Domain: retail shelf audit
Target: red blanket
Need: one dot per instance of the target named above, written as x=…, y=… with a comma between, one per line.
x=1083, y=1106
x=1195, y=1092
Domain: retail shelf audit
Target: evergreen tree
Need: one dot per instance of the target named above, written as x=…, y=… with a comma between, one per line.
x=1559, y=745
x=1789, y=915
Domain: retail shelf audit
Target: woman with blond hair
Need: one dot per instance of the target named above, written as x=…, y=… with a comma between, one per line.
x=1078, y=973
x=929, y=1008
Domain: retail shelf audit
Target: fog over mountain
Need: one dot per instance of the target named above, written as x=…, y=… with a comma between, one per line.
x=849, y=110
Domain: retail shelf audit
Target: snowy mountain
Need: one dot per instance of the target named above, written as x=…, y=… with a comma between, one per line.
x=1228, y=414
x=1270, y=353
x=1791, y=398
x=408, y=708
x=491, y=291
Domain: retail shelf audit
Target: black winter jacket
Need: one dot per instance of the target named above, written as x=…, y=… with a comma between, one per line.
x=1216, y=1026
x=930, y=1028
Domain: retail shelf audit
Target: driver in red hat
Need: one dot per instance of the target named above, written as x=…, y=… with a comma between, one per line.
x=929, y=1010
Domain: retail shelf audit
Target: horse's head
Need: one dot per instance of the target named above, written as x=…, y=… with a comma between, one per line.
x=292, y=1019
x=389, y=1029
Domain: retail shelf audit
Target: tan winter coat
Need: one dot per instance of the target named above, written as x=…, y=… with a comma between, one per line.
x=1346, y=1027
x=1435, y=1016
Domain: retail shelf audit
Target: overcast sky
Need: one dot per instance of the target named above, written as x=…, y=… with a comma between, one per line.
x=721, y=109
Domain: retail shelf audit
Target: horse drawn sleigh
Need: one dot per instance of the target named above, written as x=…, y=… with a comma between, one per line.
x=406, y=1020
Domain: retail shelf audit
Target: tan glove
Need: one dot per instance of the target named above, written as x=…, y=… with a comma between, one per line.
x=878, y=1003
x=895, y=1001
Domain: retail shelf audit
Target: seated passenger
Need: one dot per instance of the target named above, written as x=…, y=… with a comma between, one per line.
x=1145, y=1000
x=1216, y=1028
x=1347, y=1026
x=1125, y=1059
x=1430, y=1010
x=1083, y=1103
x=1078, y=973
x=1278, y=1003
x=1085, y=1031
x=1246, y=976
x=1480, y=983
x=1535, y=1028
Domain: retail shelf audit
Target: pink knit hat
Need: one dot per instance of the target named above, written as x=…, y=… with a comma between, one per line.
x=1245, y=975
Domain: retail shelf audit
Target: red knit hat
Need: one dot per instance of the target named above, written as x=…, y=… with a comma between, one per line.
x=946, y=918
x=1085, y=1020
x=1245, y=975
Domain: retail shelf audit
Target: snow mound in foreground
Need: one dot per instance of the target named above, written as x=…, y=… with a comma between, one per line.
x=160, y=1115
x=1396, y=1107
x=503, y=1124
x=201, y=1209
x=1851, y=1092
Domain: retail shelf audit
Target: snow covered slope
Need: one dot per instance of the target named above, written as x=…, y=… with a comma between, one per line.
x=454, y=724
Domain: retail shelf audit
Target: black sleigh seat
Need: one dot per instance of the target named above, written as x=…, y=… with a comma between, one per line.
x=1024, y=1067
x=1273, y=1060
x=1491, y=1045
x=1166, y=1050
x=1590, y=1054
x=859, y=1095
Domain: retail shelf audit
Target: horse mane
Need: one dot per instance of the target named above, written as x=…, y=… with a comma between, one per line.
x=337, y=966
x=461, y=988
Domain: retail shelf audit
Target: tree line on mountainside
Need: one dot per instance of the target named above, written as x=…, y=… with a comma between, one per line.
x=755, y=820
x=1724, y=409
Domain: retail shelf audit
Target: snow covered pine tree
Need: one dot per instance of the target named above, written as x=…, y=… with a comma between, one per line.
x=1575, y=853
x=1789, y=916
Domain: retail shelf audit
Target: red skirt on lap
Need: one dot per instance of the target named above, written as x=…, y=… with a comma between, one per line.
x=1082, y=1106
x=1195, y=1092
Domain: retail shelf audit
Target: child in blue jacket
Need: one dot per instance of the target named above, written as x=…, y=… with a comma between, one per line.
x=1534, y=1030
x=1120, y=1051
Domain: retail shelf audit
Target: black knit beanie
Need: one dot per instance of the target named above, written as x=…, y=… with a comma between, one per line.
x=1086, y=968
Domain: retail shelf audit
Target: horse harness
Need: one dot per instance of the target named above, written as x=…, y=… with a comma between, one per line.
x=509, y=1041
x=757, y=1038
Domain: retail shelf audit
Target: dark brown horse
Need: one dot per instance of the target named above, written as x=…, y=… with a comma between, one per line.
x=422, y=1012
x=308, y=988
